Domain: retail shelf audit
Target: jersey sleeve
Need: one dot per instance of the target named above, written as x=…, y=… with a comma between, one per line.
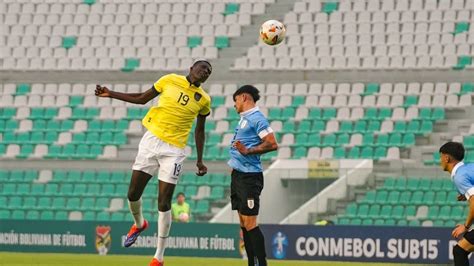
x=161, y=84
x=464, y=186
x=263, y=127
x=206, y=109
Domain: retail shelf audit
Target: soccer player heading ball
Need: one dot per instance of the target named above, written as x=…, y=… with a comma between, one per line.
x=253, y=137
x=451, y=160
x=162, y=147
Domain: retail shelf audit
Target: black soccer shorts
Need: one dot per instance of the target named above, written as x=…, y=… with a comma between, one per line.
x=245, y=190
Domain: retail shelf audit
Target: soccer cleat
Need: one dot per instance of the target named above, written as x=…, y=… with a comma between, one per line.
x=155, y=262
x=134, y=233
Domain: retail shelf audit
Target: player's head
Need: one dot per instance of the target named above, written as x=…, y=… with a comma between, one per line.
x=180, y=198
x=200, y=71
x=450, y=154
x=245, y=97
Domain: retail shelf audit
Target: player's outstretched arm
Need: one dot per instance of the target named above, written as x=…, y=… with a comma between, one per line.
x=268, y=144
x=461, y=228
x=199, y=138
x=138, y=98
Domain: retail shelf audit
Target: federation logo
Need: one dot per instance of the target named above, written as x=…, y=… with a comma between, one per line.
x=197, y=96
x=103, y=240
x=279, y=245
x=243, y=123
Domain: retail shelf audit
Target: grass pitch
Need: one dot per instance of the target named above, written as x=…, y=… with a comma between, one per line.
x=43, y=259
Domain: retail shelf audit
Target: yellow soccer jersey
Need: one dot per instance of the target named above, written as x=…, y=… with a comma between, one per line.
x=179, y=104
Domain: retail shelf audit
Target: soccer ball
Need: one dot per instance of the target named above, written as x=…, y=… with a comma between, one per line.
x=183, y=217
x=272, y=32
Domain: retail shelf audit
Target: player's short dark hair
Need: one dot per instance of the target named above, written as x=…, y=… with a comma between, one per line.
x=454, y=149
x=250, y=90
x=180, y=194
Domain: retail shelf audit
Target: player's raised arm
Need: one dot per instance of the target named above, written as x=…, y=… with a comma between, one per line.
x=138, y=98
x=199, y=138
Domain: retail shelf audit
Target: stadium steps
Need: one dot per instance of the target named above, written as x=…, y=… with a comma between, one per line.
x=249, y=35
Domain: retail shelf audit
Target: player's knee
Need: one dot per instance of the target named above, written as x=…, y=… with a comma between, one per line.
x=459, y=252
x=164, y=204
x=133, y=194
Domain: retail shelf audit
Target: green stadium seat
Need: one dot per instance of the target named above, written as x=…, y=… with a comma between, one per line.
x=414, y=223
x=288, y=113
x=339, y=153
x=397, y=211
x=330, y=7
x=131, y=64
x=371, y=88
x=107, y=190
x=93, y=189
x=15, y=202
x=32, y=215
x=18, y=215
x=61, y=216
x=351, y=210
x=301, y=139
x=315, y=114
x=367, y=153
x=218, y=180
x=380, y=152
x=385, y=113
x=409, y=140
x=368, y=139
x=51, y=189
x=36, y=137
x=405, y=197
x=222, y=42
x=117, y=216
x=428, y=197
x=370, y=113
x=436, y=185
x=342, y=139
x=67, y=125
x=382, y=140
x=44, y=203
x=343, y=221
x=418, y=197
x=363, y=210
x=410, y=100
x=37, y=189
x=58, y=203
x=426, y=127
x=217, y=193
x=298, y=100
x=190, y=191
x=369, y=197
x=444, y=212
x=413, y=127
x=288, y=127
x=11, y=125
x=438, y=114
x=314, y=140
x=194, y=41
x=329, y=113
x=318, y=126
x=345, y=126
x=47, y=216
x=374, y=210
x=231, y=8
x=23, y=88
x=80, y=189
x=399, y=126
x=395, y=140
x=3, y=201
x=102, y=203
x=103, y=216
x=461, y=27
x=329, y=140
x=202, y=206
x=389, y=183
x=467, y=87
x=25, y=151
x=299, y=152
x=367, y=222
x=7, y=113
x=354, y=153
x=441, y=197
x=412, y=184
x=120, y=138
x=356, y=221
x=390, y=222
x=107, y=126
x=88, y=216
x=122, y=125
x=23, y=189
x=69, y=41
x=360, y=126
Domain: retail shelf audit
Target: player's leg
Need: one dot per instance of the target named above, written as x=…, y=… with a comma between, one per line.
x=463, y=248
x=146, y=164
x=247, y=243
x=256, y=237
x=171, y=163
x=249, y=189
x=137, y=185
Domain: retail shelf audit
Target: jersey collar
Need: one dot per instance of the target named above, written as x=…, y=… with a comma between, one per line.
x=250, y=111
x=455, y=169
x=187, y=79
